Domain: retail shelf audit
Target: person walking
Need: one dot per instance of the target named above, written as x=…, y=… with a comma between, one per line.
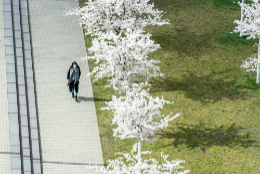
x=73, y=76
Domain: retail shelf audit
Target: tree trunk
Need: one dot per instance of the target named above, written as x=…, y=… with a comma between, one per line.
x=140, y=157
x=140, y=150
x=258, y=60
x=108, y=16
x=242, y=15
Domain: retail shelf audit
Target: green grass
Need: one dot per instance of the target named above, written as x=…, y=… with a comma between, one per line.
x=228, y=4
x=218, y=130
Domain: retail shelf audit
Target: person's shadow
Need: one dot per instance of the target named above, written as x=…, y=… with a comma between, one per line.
x=88, y=99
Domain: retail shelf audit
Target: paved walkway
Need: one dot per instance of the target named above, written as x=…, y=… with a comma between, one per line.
x=5, y=157
x=69, y=130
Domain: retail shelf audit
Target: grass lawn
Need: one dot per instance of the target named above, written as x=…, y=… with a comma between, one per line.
x=218, y=130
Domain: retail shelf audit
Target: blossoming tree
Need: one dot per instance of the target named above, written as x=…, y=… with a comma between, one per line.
x=117, y=15
x=137, y=115
x=134, y=165
x=251, y=26
x=122, y=59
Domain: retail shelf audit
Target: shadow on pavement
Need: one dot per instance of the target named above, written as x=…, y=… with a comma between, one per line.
x=86, y=99
x=73, y=163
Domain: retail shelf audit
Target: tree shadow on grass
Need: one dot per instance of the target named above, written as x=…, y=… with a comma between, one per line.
x=200, y=136
x=184, y=42
x=228, y=4
x=204, y=88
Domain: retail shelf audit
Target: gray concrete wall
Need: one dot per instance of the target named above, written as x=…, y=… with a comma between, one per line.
x=5, y=157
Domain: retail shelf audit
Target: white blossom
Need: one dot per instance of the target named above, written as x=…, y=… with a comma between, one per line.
x=250, y=63
x=122, y=59
x=123, y=14
x=133, y=165
x=251, y=22
x=138, y=114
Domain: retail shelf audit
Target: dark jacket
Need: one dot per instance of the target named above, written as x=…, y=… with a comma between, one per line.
x=68, y=74
x=72, y=84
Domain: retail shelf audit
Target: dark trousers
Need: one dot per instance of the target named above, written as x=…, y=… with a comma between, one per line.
x=73, y=86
